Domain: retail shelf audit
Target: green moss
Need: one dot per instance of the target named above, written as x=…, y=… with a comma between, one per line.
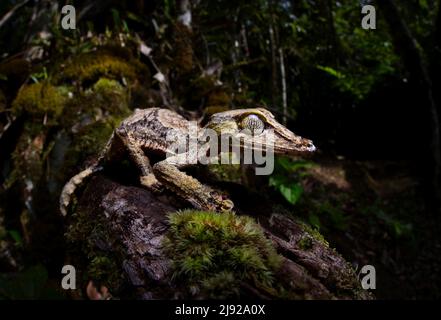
x=305, y=243
x=107, y=101
x=111, y=96
x=88, y=142
x=105, y=271
x=102, y=266
x=89, y=67
x=40, y=99
x=313, y=232
x=212, y=253
x=107, y=85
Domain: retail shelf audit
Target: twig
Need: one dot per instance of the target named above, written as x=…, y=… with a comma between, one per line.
x=11, y=12
x=283, y=78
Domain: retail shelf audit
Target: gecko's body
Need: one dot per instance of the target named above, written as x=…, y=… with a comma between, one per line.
x=146, y=132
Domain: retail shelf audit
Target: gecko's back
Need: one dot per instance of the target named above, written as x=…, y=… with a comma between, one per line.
x=150, y=127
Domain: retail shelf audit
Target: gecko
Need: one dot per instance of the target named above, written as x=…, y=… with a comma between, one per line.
x=146, y=133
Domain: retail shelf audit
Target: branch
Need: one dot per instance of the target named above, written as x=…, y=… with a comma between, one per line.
x=11, y=12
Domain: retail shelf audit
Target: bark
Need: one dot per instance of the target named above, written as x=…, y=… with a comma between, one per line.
x=283, y=80
x=273, y=49
x=406, y=46
x=134, y=224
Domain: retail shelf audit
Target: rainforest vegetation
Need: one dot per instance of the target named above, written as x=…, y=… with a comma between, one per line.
x=370, y=100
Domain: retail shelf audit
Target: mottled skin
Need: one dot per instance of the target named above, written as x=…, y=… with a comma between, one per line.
x=145, y=132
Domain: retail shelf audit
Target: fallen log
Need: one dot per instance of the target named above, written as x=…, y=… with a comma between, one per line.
x=117, y=234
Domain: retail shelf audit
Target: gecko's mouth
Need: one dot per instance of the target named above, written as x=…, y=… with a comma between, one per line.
x=296, y=149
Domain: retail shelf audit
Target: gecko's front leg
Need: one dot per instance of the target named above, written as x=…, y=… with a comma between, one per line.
x=147, y=178
x=199, y=195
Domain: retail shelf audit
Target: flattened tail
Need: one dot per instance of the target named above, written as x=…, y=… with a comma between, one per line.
x=70, y=187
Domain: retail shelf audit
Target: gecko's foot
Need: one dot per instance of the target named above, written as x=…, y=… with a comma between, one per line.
x=220, y=202
x=151, y=183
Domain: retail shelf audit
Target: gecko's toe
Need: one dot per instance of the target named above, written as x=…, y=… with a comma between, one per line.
x=227, y=205
x=218, y=202
x=151, y=183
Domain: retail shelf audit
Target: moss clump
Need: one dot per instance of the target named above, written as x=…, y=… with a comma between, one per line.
x=88, y=143
x=40, y=99
x=213, y=253
x=102, y=267
x=314, y=233
x=89, y=67
x=111, y=96
x=305, y=243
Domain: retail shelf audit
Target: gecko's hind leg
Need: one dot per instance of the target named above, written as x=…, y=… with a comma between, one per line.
x=147, y=178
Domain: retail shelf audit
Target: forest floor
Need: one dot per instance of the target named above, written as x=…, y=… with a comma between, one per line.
x=373, y=213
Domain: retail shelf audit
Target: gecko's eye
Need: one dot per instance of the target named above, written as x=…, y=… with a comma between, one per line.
x=253, y=123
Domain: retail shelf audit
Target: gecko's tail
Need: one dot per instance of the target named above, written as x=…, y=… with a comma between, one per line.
x=70, y=187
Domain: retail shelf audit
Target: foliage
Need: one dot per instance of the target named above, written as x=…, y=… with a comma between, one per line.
x=31, y=283
x=286, y=178
x=398, y=228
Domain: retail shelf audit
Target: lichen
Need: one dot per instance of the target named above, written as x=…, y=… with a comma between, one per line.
x=213, y=253
x=40, y=99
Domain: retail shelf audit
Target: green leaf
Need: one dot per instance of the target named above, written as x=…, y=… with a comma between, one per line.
x=16, y=236
x=291, y=191
x=331, y=71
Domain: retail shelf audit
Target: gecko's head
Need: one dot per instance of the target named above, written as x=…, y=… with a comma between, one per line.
x=255, y=125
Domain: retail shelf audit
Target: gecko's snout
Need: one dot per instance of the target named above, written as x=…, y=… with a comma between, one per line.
x=311, y=147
